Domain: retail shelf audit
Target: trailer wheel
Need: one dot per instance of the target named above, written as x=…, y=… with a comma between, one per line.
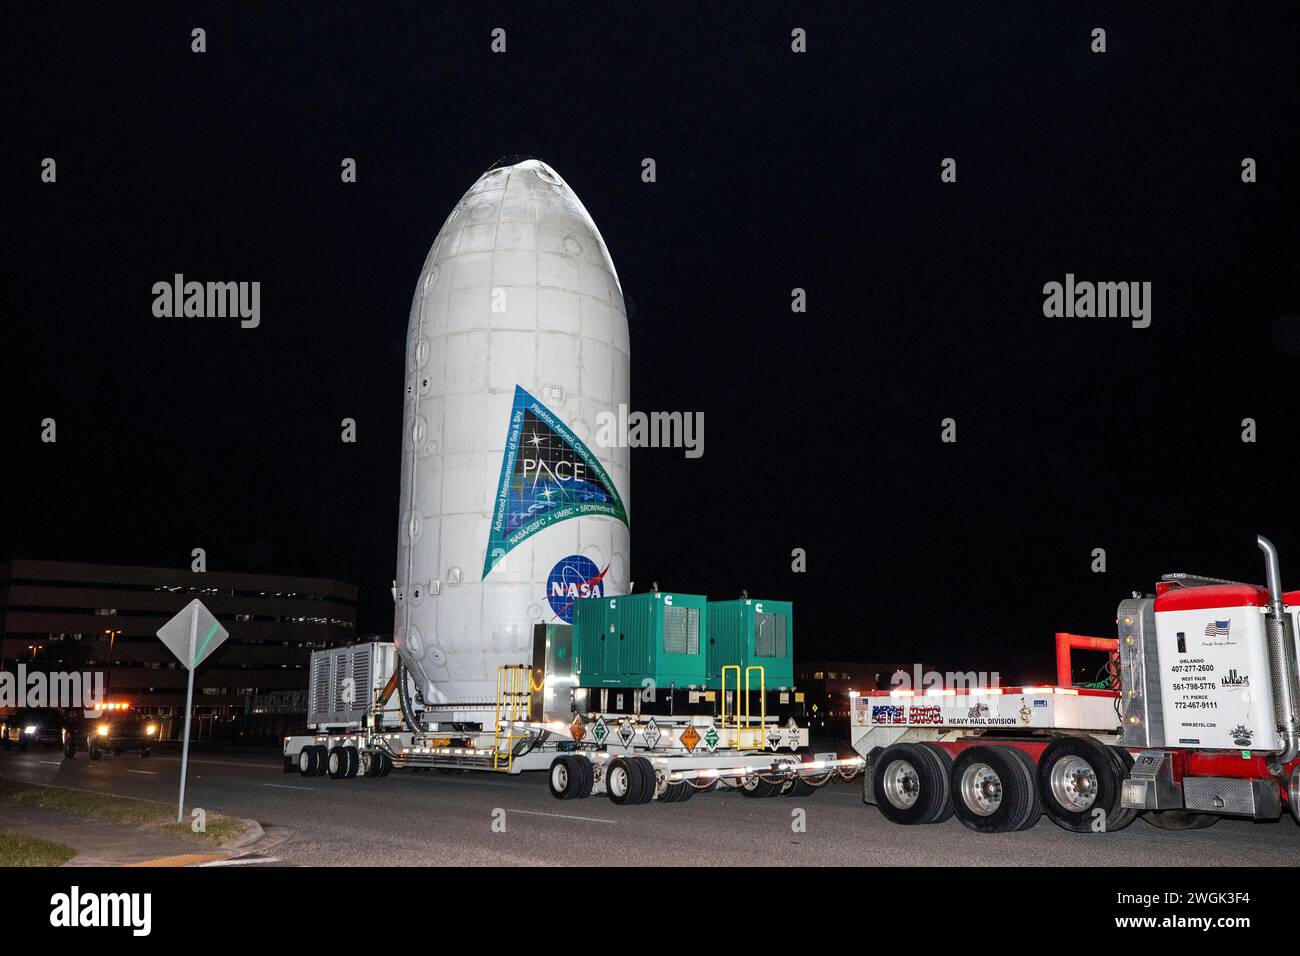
x=564, y=779
x=628, y=782
x=1180, y=819
x=588, y=771
x=994, y=790
x=385, y=764
x=1079, y=783
x=678, y=792
x=307, y=761
x=95, y=753
x=909, y=784
x=798, y=787
x=354, y=762
x=70, y=748
x=756, y=786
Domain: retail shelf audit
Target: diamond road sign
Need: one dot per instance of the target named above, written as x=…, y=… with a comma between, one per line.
x=195, y=620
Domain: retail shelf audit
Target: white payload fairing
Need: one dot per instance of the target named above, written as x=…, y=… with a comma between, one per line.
x=516, y=351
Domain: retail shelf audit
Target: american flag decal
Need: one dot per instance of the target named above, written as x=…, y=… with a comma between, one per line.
x=1217, y=629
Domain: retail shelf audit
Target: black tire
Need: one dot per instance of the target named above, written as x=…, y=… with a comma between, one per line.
x=798, y=787
x=1079, y=783
x=70, y=749
x=337, y=763
x=22, y=745
x=909, y=784
x=564, y=779
x=630, y=780
x=322, y=760
x=1122, y=817
x=647, y=771
x=1180, y=819
x=994, y=789
x=588, y=780
x=93, y=752
x=354, y=762
x=306, y=761
x=756, y=786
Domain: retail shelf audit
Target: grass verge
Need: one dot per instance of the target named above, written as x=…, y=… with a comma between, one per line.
x=125, y=811
x=18, y=850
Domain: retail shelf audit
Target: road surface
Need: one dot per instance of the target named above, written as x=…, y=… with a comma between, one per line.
x=434, y=818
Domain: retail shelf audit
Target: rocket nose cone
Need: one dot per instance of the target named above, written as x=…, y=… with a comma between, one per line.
x=519, y=163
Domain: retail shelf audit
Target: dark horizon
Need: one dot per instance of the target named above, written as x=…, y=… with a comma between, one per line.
x=776, y=171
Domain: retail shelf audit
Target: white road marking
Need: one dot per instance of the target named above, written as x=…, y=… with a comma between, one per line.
x=149, y=772
x=52, y=763
x=285, y=786
x=559, y=816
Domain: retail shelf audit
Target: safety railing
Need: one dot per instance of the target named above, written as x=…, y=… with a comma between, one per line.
x=748, y=732
x=513, y=698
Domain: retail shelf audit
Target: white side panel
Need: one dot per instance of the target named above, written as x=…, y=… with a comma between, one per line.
x=1214, y=678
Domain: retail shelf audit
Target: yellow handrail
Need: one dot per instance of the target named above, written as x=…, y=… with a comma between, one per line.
x=745, y=726
x=513, y=698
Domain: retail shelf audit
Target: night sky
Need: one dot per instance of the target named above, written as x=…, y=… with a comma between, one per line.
x=775, y=170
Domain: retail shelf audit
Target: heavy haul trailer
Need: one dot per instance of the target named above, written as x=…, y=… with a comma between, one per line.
x=1199, y=718
x=622, y=703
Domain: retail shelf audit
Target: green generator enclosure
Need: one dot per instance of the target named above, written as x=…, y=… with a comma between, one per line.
x=750, y=632
x=623, y=641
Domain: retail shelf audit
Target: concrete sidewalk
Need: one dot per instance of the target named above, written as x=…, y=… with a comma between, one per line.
x=108, y=844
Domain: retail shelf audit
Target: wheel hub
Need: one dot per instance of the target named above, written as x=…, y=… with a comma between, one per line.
x=902, y=784
x=981, y=789
x=1074, y=783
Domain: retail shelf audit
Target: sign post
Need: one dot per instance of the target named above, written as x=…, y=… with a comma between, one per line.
x=181, y=635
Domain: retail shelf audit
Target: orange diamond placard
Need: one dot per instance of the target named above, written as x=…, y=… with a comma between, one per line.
x=689, y=738
x=578, y=729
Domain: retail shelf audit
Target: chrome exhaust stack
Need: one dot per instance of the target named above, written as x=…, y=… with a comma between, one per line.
x=1285, y=678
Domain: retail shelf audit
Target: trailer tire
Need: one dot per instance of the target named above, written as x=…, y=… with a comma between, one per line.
x=385, y=764
x=1077, y=777
x=307, y=761
x=678, y=792
x=909, y=785
x=756, y=786
x=798, y=787
x=564, y=779
x=630, y=780
x=354, y=761
x=994, y=790
x=588, y=777
x=336, y=762
x=1180, y=819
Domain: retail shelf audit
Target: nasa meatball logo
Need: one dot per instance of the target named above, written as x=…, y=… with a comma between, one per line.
x=572, y=578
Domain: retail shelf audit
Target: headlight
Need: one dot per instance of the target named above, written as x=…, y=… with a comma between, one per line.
x=151, y=730
x=103, y=730
x=29, y=729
